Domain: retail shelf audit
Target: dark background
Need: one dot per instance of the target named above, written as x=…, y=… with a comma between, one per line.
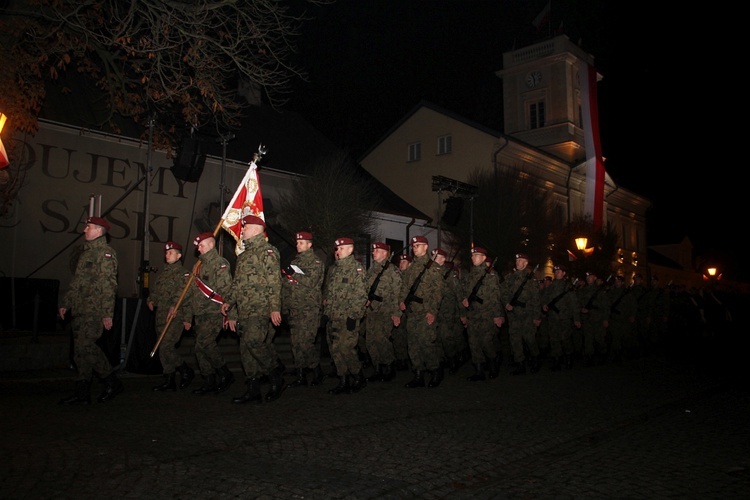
x=369, y=62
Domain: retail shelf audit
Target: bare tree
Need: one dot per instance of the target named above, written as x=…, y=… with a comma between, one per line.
x=179, y=60
x=334, y=200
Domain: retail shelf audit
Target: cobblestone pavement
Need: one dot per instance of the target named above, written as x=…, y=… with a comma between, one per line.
x=646, y=428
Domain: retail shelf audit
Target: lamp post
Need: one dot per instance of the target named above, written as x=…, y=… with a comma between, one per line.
x=581, y=243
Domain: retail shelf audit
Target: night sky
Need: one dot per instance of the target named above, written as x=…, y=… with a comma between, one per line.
x=369, y=62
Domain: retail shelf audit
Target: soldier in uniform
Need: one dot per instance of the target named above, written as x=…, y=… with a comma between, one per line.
x=91, y=297
x=524, y=314
x=302, y=298
x=344, y=299
x=212, y=279
x=594, y=302
x=560, y=304
x=645, y=301
x=165, y=293
x=449, y=326
x=254, y=299
x=422, y=290
x=542, y=333
x=483, y=315
x=400, y=344
x=383, y=314
x=623, y=309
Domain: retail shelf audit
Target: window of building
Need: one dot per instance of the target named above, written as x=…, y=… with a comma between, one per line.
x=536, y=115
x=445, y=145
x=415, y=151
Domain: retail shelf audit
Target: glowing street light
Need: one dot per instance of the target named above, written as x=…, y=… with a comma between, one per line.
x=581, y=243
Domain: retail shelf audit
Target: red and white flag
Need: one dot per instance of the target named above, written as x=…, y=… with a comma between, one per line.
x=3, y=155
x=595, y=173
x=543, y=19
x=248, y=200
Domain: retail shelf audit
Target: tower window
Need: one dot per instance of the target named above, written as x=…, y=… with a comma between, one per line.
x=536, y=115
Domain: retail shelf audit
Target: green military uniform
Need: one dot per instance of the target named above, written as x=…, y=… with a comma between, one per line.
x=562, y=312
x=378, y=321
x=302, y=299
x=345, y=296
x=526, y=310
x=645, y=305
x=481, y=329
x=449, y=327
x=623, y=309
x=423, y=343
x=256, y=292
x=594, y=302
x=91, y=297
x=215, y=272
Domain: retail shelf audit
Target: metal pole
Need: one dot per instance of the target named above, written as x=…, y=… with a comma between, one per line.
x=439, y=226
x=145, y=253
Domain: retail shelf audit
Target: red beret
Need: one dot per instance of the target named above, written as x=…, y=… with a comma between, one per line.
x=590, y=273
x=253, y=219
x=440, y=251
x=559, y=268
x=172, y=245
x=382, y=246
x=303, y=235
x=522, y=256
x=418, y=239
x=344, y=241
x=404, y=256
x=98, y=221
x=481, y=250
x=201, y=237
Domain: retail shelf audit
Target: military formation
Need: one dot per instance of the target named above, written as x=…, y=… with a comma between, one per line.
x=414, y=312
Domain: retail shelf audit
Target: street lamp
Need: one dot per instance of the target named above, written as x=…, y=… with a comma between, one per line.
x=713, y=274
x=581, y=243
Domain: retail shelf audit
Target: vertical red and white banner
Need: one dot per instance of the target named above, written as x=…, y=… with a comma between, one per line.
x=3, y=154
x=595, y=173
x=248, y=200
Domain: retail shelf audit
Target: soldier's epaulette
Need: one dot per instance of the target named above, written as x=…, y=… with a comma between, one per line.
x=269, y=251
x=108, y=255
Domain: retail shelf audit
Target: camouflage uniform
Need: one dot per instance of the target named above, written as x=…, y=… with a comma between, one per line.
x=449, y=327
x=165, y=292
x=594, y=302
x=302, y=302
x=563, y=312
x=645, y=301
x=527, y=309
x=623, y=309
x=344, y=295
x=424, y=347
x=378, y=319
x=91, y=297
x=256, y=292
x=480, y=326
x=215, y=272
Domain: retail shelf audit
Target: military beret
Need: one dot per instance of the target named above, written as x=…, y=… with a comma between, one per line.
x=418, y=239
x=620, y=277
x=253, y=219
x=440, y=251
x=172, y=245
x=559, y=268
x=99, y=221
x=344, y=241
x=405, y=257
x=201, y=237
x=303, y=235
x=480, y=250
x=548, y=278
x=590, y=273
x=522, y=256
x=379, y=245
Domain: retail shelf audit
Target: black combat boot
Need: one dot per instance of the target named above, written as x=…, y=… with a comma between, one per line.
x=417, y=381
x=301, y=380
x=112, y=387
x=209, y=385
x=318, y=376
x=453, y=364
x=437, y=377
x=358, y=383
x=494, y=367
x=389, y=372
x=252, y=395
x=277, y=384
x=377, y=376
x=169, y=383
x=520, y=369
x=342, y=387
x=186, y=375
x=81, y=395
x=226, y=377
x=478, y=373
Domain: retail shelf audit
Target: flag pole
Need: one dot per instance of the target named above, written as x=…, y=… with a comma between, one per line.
x=256, y=157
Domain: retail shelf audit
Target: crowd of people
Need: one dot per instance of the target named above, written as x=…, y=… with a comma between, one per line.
x=422, y=315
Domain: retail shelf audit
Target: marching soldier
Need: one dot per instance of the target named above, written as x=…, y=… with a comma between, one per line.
x=450, y=328
x=163, y=298
x=623, y=309
x=91, y=297
x=212, y=279
x=400, y=343
x=256, y=293
x=594, y=302
x=483, y=314
x=344, y=299
x=560, y=304
x=302, y=300
x=383, y=314
x=524, y=314
x=422, y=291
